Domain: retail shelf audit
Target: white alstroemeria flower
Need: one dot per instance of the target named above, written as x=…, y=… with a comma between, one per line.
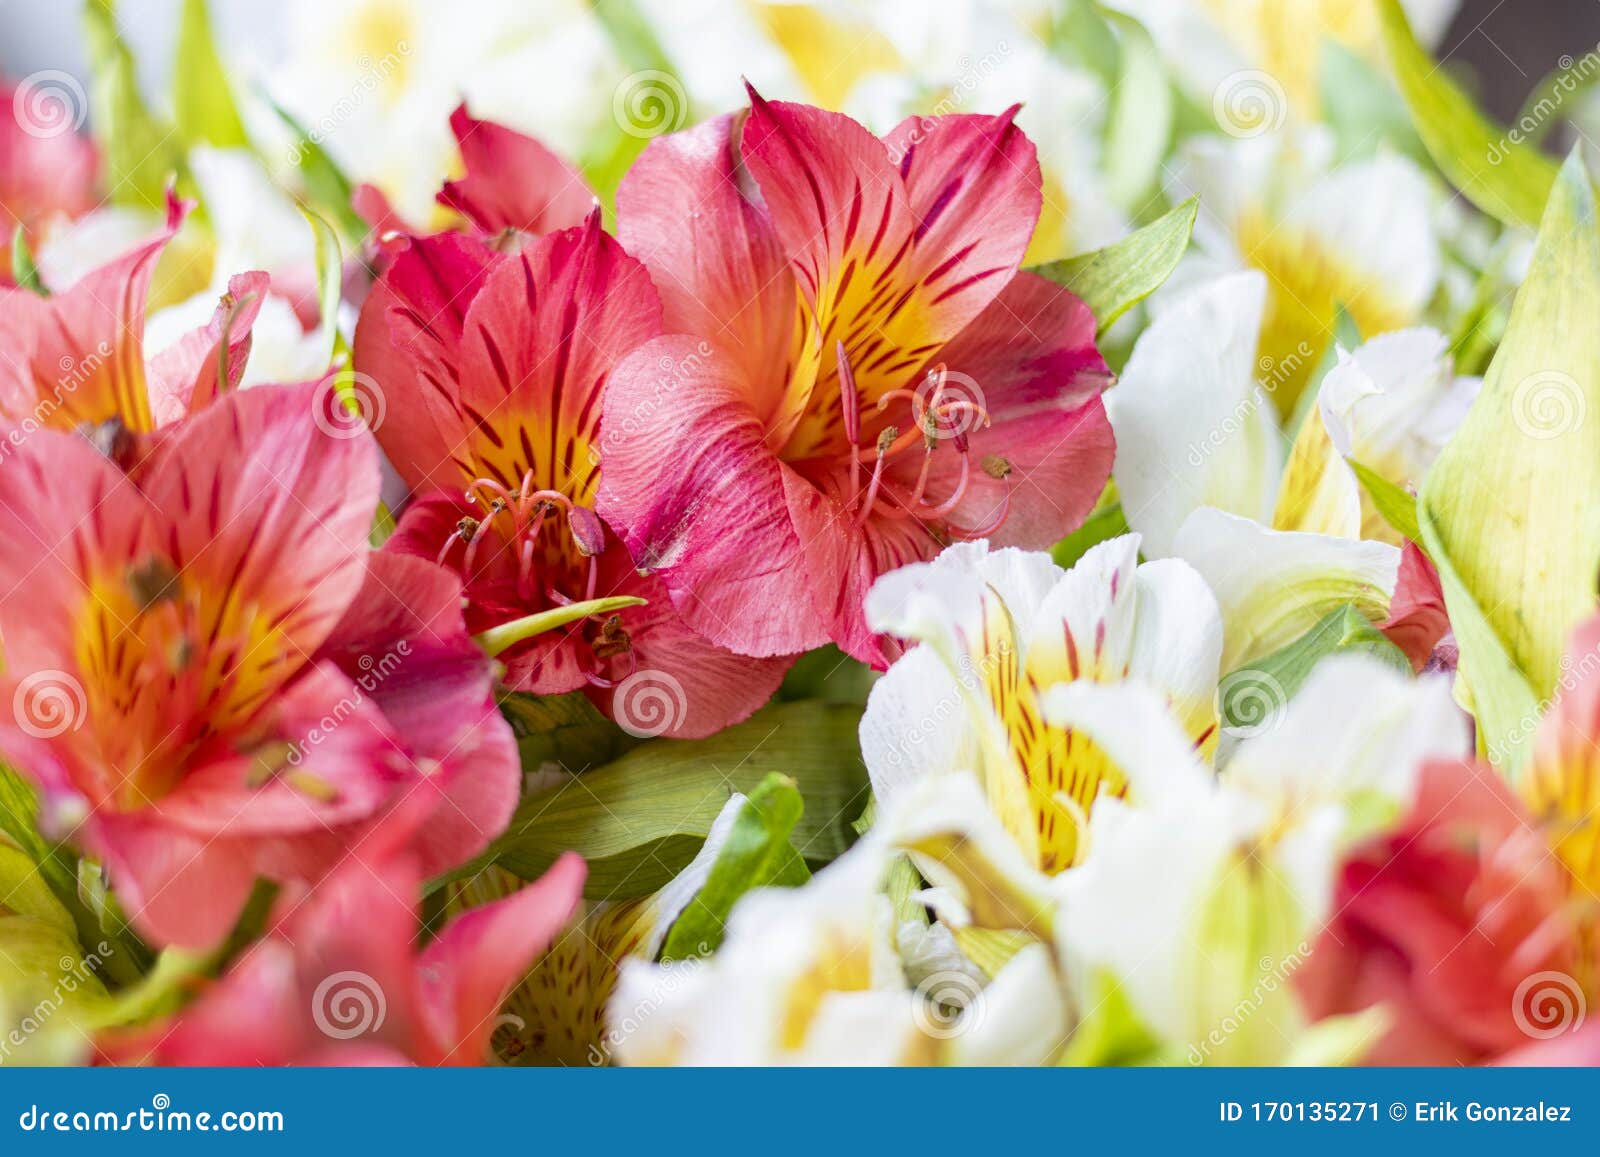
x=1200, y=898
x=1359, y=237
x=1000, y=627
x=1390, y=405
x=1194, y=426
x=1274, y=585
x=1216, y=47
x=805, y=975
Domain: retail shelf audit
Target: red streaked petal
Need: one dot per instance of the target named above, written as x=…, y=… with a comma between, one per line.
x=512, y=181
x=538, y=343
x=184, y=377
x=266, y=510
x=1417, y=616
x=79, y=356
x=715, y=257
x=408, y=341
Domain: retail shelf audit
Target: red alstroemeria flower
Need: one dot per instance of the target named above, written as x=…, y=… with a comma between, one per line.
x=493, y=367
x=1475, y=922
x=48, y=170
x=211, y=676
x=337, y=979
x=512, y=184
x=76, y=360
x=869, y=375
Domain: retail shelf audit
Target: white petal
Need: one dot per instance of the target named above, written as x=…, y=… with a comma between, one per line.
x=917, y=723
x=1134, y=727
x=1193, y=427
x=1020, y=1018
x=1273, y=586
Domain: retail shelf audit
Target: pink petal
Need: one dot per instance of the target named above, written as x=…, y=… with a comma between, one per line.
x=266, y=506
x=408, y=341
x=703, y=686
x=184, y=377
x=469, y=970
x=693, y=489
x=512, y=181
x=177, y=887
x=1417, y=617
x=712, y=251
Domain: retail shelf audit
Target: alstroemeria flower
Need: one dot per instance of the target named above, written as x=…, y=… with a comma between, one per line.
x=48, y=170
x=998, y=630
x=338, y=980
x=511, y=184
x=857, y=373
x=1475, y=923
x=494, y=367
x=1200, y=895
x=77, y=359
x=1361, y=236
x=211, y=681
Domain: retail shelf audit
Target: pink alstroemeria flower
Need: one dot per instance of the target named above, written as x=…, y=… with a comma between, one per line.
x=337, y=979
x=867, y=375
x=48, y=169
x=512, y=184
x=212, y=678
x=76, y=360
x=493, y=367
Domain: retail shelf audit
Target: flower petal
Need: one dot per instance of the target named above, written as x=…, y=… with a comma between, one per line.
x=513, y=181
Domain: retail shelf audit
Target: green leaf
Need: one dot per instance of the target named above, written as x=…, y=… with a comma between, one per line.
x=1342, y=631
x=1108, y=521
x=329, y=264
x=1508, y=511
x=1139, y=128
x=1506, y=178
x=1111, y=1031
x=830, y=675
x=1362, y=107
x=1113, y=280
x=758, y=854
x=639, y=820
x=326, y=186
x=23, y=270
x=202, y=101
x=1398, y=508
x=567, y=730
x=58, y=867
x=142, y=154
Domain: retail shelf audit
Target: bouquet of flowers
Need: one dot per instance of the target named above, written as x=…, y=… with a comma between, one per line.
x=1047, y=533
